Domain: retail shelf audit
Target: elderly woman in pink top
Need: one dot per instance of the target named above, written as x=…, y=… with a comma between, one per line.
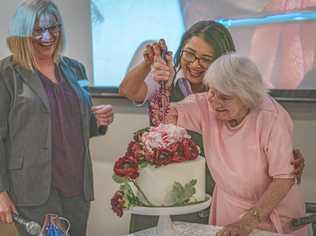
x=248, y=146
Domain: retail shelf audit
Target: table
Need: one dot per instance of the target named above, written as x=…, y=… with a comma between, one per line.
x=193, y=229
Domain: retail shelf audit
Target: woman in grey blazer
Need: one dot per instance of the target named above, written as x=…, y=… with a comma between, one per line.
x=46, y=120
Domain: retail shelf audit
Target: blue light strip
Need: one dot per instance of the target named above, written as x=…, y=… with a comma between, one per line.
x=269, y=19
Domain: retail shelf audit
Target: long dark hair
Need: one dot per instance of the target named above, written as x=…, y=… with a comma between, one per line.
x=214, y=33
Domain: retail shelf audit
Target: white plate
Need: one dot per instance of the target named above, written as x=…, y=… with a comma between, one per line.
x=176, y=210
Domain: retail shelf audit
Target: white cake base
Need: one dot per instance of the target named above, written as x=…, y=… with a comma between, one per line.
x=157, y=182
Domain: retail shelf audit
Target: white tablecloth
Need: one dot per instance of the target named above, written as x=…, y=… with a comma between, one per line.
x=191, y=229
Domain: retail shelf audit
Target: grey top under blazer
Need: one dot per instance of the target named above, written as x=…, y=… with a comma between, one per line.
x=25, y=132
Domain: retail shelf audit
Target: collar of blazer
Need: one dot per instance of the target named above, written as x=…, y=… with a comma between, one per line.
x=31, y=78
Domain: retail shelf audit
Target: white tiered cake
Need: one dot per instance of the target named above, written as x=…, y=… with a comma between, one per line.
x=161, y=167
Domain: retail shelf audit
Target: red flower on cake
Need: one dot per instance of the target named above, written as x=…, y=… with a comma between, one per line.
x=127, y=166
x=162, y=157
x=136, y=149
x=176, y=149
x=190, y=149
x=117, y=203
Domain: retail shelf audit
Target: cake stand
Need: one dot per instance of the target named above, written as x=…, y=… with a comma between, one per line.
x=165, y=225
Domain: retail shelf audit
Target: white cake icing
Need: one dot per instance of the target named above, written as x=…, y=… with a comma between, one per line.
x=157, y=182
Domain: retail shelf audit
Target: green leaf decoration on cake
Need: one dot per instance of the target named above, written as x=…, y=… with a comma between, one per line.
x=143, y=164
x=181, y=195
x=119, y=179
x=132, y=199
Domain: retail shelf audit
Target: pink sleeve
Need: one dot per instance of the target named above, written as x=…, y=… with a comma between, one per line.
x=279, y=146
x=189, y=114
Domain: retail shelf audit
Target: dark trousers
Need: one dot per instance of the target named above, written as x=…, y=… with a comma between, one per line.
x=75, y=209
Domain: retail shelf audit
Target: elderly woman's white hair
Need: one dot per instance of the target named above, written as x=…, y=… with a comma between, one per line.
x=234, y=75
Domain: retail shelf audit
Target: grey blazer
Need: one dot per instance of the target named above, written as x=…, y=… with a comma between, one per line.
x=25, y=132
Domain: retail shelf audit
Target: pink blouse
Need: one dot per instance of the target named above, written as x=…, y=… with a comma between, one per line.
x=244, y=159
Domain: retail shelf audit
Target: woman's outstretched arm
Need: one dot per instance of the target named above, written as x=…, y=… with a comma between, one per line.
x=133, y=85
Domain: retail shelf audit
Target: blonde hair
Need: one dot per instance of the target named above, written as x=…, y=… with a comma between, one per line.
x=21, y=30
x=238, y=76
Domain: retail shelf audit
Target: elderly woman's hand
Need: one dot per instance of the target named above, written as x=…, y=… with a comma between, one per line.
x=298, y=164
x=238, y=228
x=103, y=114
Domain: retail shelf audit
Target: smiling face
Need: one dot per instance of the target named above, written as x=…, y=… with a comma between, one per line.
x=45, y=38
x=227, y=108
x=196, y=56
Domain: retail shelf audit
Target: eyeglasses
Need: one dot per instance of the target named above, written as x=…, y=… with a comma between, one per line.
x=190, y=57
x=53, y=30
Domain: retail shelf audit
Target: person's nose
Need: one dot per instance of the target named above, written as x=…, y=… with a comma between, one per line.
x=196, y=63
x=217, y=105
x=46, y=36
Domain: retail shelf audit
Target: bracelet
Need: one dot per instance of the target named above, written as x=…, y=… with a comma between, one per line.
x=255, y=213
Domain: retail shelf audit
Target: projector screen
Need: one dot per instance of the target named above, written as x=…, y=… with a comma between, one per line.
x=278, y=35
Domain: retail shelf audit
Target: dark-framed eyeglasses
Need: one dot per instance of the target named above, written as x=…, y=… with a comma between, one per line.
x=52, y=29
x=190, y=57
